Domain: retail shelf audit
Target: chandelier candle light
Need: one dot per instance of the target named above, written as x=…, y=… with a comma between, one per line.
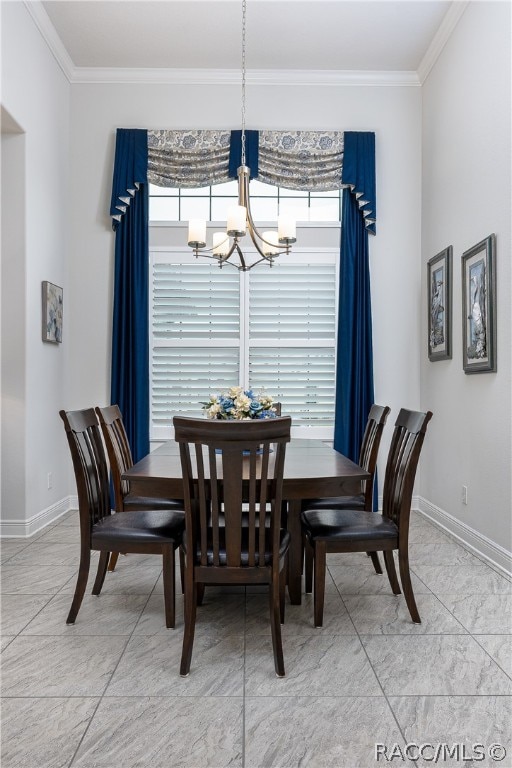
x=239, y=220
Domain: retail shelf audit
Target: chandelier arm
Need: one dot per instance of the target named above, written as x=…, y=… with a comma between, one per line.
x=253, y=231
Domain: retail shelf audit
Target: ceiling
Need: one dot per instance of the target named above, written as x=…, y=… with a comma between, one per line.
x=341, y=35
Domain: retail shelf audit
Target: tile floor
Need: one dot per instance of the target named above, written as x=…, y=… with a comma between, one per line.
x=106, y=692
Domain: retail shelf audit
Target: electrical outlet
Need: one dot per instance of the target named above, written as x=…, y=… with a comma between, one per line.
x=50, y=480
x=464, y=494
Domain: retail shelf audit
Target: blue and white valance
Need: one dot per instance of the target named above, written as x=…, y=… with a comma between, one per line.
x=188, y=158
x=299, y=160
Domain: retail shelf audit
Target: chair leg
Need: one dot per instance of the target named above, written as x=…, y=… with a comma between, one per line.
x=308, y=566
x=389, y=562
x=405, y=578
x=169, y=585
x=100, y=573
x=113, y=561
x=319, y=586
x=190, y=625
x=200, y=593
x=375, y=560
x=182, y=570
x=282, y=590
x=81, y=584
x=275, y=626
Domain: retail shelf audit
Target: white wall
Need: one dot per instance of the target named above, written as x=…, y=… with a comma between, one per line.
x=36, y=95
x=467, y=196
x=394, y=113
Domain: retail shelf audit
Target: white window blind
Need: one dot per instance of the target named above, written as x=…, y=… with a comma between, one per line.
x=272, y=329
x=292, y=332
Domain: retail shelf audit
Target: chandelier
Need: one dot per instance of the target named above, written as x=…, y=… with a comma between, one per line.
x=268, y=245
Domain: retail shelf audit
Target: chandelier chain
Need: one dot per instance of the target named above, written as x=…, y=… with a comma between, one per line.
x=244, y=14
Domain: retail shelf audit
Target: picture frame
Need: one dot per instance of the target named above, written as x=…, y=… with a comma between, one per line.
x=440, y=306
x=52, y=300
x=479, y=307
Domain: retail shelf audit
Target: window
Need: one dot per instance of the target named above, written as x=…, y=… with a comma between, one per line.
x=270, y=327
x=212, y=203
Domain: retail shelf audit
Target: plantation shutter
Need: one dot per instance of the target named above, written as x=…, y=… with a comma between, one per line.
x=195, y=329
x=292, y=329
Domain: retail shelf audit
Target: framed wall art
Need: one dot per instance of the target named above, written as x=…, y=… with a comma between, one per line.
x=440, y=306
x=52, y=312
x=479, y=307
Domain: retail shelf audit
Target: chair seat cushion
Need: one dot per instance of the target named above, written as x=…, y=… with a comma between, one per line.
x=347, y=525
x=133, y=502
x=284, y=543
x=142, y=527
x=336, y=502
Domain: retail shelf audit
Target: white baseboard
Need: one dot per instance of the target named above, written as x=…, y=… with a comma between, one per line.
x=26, y=528
x=494, y=554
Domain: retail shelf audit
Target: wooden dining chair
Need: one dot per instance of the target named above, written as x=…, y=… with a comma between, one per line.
x=224, y=464
x=368, y=455
x=120, y=459
x=353, y=530
x=155, y=531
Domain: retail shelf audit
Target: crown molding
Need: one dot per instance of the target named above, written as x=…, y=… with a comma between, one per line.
x=42, y=21
x=441, y=37
x=253, y=77
x=266, y=77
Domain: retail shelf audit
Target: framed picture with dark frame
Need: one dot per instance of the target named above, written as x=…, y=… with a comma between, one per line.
x=440, y=306
x=52, y=312
x=479, y=307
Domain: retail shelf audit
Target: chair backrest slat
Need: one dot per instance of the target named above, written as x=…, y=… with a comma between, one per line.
x=90, y=467
x=118, y=449
x=402, y=463
x=242, y=475
x=370, y=448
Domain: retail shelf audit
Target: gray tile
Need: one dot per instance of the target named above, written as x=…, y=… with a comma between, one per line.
x=54, y=553
x=152, y=619
x=185, y=732
x=35, y=579
x=5, y=640
x=151, y=667
x=464, y=721
x=389, y=615
x=43, y=732
x=221, y=614
x=481, y=614
x=299, y=618
x=11, y=547
x=355, y=581
x=432, y=553
x=59, y=666
x=61, y=534
x=500, y=648
x=98, y=615
x=72, y=517
x=18, y=610
x=474, y=579
x=423, y=532
x=315, y=665
x=359, y=559
x=434, y=665
x=135, y=579
x=323, y=732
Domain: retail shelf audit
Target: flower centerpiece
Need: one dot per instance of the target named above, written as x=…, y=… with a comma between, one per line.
x=239, y=403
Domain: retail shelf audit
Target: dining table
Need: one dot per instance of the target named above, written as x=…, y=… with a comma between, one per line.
x=313, y=469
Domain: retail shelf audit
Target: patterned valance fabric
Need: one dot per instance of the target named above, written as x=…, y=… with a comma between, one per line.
x=304, y=160
x=188, y=158
x=301, y=160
